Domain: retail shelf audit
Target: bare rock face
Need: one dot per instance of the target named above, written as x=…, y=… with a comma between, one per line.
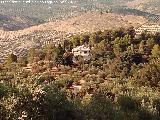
x=21, y=40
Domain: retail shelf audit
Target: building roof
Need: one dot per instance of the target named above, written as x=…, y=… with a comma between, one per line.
x=81, y=48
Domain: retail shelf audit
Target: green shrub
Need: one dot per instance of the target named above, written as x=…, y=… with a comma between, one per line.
x=100, y=108
x=127, y=103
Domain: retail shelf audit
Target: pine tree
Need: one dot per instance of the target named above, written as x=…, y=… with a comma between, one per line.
x=150, y=43
x=59, y=54
x=31, y=55
x=11, y=58
x=75, y=40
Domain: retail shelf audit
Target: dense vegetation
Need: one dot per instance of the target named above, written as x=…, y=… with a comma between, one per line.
x=121, y=81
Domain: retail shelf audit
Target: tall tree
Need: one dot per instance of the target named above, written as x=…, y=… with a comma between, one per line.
x=31, y=55
x=76, y=41
x=85, y=39
x=131, y=31
x=11, y=58
x=68, y=58
x=59, y=51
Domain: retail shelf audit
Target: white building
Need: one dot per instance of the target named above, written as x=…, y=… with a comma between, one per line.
x=83, y=51
x=148, y=28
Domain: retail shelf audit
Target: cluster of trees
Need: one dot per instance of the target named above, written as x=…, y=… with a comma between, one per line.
x=122, y=64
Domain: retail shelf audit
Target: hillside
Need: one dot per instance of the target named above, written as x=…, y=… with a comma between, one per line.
x=21, y=40
x=112, y=76
x=11, y=23
x=43, y=11
x=134, y=3
x=150, y=6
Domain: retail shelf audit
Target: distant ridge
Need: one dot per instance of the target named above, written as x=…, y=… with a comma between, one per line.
x=12, y=23
x=40, y=10
x=86, y=22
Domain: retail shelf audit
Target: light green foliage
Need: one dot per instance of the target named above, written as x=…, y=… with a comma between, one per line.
x=121, y=44
x=75, y=40
x=150, y=43
x=156, y=51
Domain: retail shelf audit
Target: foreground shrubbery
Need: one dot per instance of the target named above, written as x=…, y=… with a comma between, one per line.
x=29, y=99
x=48, y=102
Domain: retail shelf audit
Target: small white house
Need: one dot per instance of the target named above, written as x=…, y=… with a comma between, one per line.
x=83, y=51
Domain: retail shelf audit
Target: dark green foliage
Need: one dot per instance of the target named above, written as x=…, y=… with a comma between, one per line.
x=131, y=31
x=59, y=54
x=67, y=45
x=144, y=114
x=67, y=59
x=137, y=58
x=128, y=104
x=100, y=108
x=2, y=112
x=85, y=39
x=157, y=105
x=119, y=33
x=3, y=90
x=76, y=41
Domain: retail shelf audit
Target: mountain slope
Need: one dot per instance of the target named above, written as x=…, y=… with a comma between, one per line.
x=20, y=41
x=133, y=3
x=10, y=23
x=43, y=10
x=150, y=6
